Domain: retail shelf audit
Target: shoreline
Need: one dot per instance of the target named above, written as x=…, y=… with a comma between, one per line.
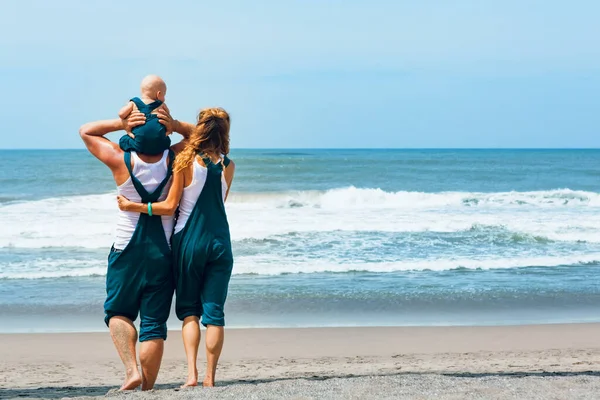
x=85, y=364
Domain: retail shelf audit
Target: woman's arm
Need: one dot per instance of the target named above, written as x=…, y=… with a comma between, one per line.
x=166, y=207
x=229, y=171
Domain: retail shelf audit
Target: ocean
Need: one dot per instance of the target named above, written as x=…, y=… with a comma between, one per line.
x=330, y=238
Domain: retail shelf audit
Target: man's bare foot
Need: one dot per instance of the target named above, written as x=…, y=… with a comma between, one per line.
x=208, y=382
x=133, y=380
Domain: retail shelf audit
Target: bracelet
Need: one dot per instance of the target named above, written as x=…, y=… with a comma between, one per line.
x=149, y=209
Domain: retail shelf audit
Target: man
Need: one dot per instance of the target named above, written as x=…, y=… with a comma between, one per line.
x=139, y=277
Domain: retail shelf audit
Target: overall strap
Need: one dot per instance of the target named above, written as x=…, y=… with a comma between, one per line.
x=209, y=164
x=149, y=197
x=146, y=108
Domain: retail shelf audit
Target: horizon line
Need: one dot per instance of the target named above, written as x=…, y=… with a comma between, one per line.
x=340, y=148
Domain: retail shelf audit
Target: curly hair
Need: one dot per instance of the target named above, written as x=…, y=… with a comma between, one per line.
x=210, y=136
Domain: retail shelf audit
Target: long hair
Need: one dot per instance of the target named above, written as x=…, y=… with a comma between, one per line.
x=210, y=136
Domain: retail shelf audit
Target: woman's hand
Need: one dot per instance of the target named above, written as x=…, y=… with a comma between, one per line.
x=124, y=203
x=164, y=117
x=134, y=119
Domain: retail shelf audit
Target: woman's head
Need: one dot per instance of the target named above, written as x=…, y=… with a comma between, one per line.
x=210, y=136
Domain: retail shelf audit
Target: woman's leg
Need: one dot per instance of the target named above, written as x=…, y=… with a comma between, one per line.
x=217, y=274
x=191, y=341
x=215, y=336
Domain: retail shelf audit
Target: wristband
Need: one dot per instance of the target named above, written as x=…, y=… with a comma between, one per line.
x=149, y=209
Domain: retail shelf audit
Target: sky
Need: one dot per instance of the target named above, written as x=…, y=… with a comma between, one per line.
x=311, y=73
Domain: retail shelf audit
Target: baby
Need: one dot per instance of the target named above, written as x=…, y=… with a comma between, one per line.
x=150, y=138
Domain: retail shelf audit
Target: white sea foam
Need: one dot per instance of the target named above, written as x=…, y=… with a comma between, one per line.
x=352, y=197
x=88, y=221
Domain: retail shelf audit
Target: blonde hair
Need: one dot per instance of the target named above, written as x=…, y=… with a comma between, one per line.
x=210, y=136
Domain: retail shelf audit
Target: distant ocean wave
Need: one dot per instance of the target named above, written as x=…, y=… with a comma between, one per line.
x=352, y=197
x=265, y=265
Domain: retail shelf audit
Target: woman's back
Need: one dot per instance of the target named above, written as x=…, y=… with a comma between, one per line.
x=192, y=192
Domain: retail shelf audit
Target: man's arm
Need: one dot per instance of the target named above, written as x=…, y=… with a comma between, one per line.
x=103, y=149
x=183, y=128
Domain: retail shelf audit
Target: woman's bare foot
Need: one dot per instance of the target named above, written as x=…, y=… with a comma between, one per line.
x=132, y=381
x=208, y=382
x=192, y=380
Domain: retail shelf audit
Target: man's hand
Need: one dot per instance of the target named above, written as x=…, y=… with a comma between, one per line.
x=164, y=117
x=134, y=119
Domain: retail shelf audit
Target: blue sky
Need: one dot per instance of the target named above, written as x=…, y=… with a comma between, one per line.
x=309, y=73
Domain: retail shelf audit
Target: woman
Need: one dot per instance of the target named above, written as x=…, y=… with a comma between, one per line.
x=202, y=256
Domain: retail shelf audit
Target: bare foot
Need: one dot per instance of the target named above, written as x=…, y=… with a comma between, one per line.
x=191, y=382
x=192, y=379
x=133, y=380
x=208, y=382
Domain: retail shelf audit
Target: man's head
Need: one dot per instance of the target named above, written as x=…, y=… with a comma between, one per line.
x=154, y=87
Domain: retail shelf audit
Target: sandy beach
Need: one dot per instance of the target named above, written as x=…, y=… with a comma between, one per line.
x=535, y=361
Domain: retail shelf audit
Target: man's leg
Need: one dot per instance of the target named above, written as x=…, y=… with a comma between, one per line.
x=154, y=312
x=151, y=352
x=124, y=337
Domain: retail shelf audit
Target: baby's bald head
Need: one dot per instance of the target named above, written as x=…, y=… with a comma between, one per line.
x=154, y=87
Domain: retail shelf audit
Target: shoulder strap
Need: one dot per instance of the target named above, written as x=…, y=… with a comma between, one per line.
x=149, y=197
x=155, y=104
x=226, y=161
x=156, y=194
x=136, y=183
x=146, y=108
x=139, y=103
x=206, y=159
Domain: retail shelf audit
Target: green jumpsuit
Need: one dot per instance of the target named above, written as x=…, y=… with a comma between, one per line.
x=202, y=256
x=139, y=277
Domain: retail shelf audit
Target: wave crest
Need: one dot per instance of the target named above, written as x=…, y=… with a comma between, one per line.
x=352, y=197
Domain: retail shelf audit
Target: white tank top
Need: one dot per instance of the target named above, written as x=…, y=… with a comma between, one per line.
x=192, y=192
x=150, y=175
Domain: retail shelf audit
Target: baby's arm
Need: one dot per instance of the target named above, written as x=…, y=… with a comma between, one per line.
x=126, y=110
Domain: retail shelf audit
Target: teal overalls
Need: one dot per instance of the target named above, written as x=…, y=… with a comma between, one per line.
x=150, y=138
x=202, y=257
x=139, y=277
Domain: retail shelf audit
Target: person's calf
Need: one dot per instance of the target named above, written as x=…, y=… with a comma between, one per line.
x=151, y=352
x=215, y=336
x=124, y=337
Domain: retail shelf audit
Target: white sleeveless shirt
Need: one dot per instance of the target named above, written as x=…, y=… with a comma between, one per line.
x=192, y=193
x=150, y=175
